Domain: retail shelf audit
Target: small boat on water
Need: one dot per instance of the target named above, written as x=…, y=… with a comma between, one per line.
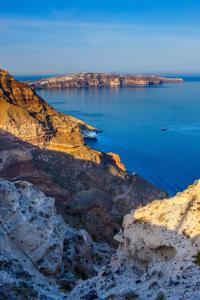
x=163, y=129
x=90, y=134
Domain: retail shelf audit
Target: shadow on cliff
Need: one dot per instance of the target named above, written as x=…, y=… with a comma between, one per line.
x=147, y=241
x=88, y=195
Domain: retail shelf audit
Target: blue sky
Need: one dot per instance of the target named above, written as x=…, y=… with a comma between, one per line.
x=61, y=36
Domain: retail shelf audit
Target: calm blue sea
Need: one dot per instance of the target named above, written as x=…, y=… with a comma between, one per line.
x=131, y=120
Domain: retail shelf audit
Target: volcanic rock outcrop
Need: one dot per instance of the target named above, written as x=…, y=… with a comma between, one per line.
x=28, y=218
x=42, y=258
x=39, y=253
x=82, y=257
x=31, y=242
x=27, y=116
x=158, y=256
x=164, y=230
x=92, y=189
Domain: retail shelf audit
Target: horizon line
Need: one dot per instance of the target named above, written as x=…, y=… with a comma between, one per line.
x=105, y=72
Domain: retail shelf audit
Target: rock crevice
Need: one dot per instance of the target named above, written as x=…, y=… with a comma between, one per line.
x=158, y=254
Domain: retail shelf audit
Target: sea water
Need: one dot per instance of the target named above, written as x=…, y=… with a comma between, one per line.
x=131, y=120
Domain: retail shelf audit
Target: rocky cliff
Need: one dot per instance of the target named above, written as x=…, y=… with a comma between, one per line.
x=43, y=258
x=40, y=256
x=27, y=116
x=83, y=80
x=158, y=256
x=31, y=242
x=38, y=144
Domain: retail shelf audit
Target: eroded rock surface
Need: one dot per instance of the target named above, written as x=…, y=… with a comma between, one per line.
x=82, y=257
x=158, y=256
x=31, y=242
x=27, y=116
x=41, y=256
x=88, y=195
x=28, y=218
x=165, y=229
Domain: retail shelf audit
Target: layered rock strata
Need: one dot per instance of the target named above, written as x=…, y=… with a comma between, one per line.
x=92, y=189
x=84, y=80
x=27, y=116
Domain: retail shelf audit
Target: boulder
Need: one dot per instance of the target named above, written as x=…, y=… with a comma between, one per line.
x=28, y=218
x=158, y=256
x=164, y=230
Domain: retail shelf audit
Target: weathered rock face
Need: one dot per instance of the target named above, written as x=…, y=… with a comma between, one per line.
x=28, y=117
x=91, y=188
x=83, y=80
x=34, y=241
x=31, y=242
x=17, y=93
x=159, y=253
x=88, y=194
x=164, y=230
x=20, y=280
x=28, y=218
x=82, y=257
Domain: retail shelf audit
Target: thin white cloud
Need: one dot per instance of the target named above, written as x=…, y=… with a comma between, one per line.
x=83, y=45
x=35, y=23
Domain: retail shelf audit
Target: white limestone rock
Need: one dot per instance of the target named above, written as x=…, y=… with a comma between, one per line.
x=29, y=219
x=157, y=256
x=40, y=256
x=164, y=230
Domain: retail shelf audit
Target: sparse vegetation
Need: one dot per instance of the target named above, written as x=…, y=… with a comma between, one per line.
x=161, y=296
x=197, y=259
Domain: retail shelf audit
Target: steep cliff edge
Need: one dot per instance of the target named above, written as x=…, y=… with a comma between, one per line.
x=43, y=258
x=91, y=188
x=27, y=116
x=158, y=256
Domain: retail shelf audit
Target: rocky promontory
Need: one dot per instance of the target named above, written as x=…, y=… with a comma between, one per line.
x=27, y=116
x=92, y=189
x=62, y=202
x=87, y=80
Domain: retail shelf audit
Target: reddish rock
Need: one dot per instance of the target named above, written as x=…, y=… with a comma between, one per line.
x=92, y=189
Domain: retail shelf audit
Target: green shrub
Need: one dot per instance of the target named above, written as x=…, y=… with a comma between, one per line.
x=197, y=259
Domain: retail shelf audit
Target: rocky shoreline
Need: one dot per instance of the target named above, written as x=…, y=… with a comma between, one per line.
x=75, y=225
x=45, y=147
x=88, y=80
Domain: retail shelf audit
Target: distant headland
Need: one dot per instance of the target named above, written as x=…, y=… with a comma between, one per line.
x=87, y=80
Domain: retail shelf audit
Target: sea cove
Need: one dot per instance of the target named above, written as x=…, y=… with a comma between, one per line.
x=131, y=120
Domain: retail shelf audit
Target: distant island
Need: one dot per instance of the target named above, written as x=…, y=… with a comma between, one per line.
x=87, y=80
